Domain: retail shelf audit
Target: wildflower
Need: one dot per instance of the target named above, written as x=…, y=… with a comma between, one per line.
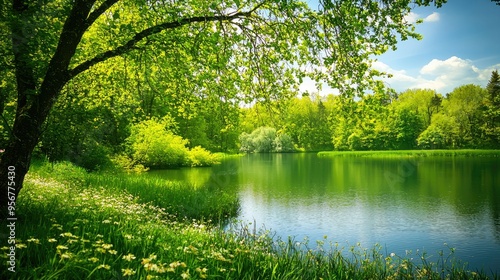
x=202, y=272
x=185, y=275
x=61, y=247
x=129, y=257
x=128, y=272
x=106, y=221
x=101, y=250
x=392, y=255
x=128, y=236
x=107, y=246
x=93, y=259
x=52, y=240
x=151, y=266
x=68, y=234
x=112, y=252
x=5, y=248
x=34, y=240
x=57, y=226
x=105, y=266
x=20, y=246
x=66, y=256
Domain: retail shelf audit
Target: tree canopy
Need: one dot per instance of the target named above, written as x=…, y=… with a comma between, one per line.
x=182, y=52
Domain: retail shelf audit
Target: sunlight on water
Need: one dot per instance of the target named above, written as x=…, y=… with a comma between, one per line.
x=409, y=204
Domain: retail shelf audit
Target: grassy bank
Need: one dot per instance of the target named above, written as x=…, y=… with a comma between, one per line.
x=412, y=153
x=72, y=225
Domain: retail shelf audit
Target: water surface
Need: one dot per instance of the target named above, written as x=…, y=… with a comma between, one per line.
x=425, y=204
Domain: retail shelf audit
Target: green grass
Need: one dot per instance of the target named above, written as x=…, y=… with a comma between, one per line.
x=72, y=225
x=412, y=153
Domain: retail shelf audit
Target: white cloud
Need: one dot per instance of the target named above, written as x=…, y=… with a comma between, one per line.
x=441, y=75
x=413, y=17
x=432, y=17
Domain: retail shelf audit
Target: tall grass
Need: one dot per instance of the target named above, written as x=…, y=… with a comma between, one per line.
x=76, y=229
x=412, y=153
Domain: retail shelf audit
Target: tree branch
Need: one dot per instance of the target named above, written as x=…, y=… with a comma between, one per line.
x=149, y=32
x=99, y=11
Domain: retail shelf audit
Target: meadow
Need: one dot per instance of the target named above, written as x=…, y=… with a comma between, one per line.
x=78, y=225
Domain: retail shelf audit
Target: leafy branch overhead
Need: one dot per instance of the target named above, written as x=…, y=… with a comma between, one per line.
x=232, y=50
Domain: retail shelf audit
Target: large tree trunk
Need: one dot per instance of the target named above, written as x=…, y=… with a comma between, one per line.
x=15, y=162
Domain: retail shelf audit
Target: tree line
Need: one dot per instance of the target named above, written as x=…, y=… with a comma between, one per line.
x=468, y=117
x=135, y=125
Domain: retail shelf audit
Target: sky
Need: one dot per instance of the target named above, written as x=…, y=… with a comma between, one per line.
x=460, y=45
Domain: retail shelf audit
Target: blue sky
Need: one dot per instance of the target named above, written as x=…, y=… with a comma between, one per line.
x=460, y=45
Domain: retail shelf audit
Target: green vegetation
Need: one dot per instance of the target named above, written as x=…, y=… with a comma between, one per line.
x=265, y=140
x=77, y=225
x=413, y=153
x=151, y=145
x=466, y=118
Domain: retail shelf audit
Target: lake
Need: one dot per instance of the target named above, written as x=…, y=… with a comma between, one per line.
x=422, y=204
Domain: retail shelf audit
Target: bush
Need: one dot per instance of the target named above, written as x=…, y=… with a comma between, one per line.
x=265, y=140
x=283, y=144
x=153, y=146
x=198, y=156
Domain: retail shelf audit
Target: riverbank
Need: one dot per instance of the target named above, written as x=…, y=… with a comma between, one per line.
x=412, y=153
x=76, y=225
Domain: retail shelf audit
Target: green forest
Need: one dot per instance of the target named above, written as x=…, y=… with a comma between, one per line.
x=138, y=123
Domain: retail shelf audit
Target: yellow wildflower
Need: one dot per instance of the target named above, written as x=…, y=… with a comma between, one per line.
x=185, y=275
x=105, y=266
x=34, y=240
x=128, y=272
x=129, y=257
x=66, y=256
x=61, y=247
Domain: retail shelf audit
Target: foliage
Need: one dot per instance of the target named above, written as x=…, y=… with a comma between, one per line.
x=198, y=156
x=184, y=53
x=413, y=153
x=265, y=140
x=491, y=111
x=432, y=138
x=153, y=146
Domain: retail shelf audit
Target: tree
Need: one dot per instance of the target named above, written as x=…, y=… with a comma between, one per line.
x=463, y=105
x=491, y=112
x=264, y=46
x=423, y=102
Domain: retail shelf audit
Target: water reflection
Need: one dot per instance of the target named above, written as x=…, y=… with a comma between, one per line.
x=403, y=205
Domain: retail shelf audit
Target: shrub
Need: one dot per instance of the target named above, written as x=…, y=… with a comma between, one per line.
x=265, y=140
x=155, y=147
x=283, y=144
x=198, y=156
